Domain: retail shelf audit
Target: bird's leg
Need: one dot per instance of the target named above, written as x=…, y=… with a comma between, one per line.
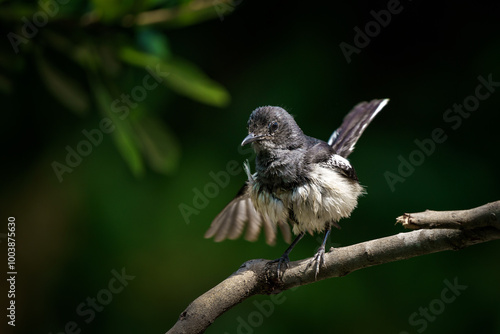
x=319, y=257
x=284, y=259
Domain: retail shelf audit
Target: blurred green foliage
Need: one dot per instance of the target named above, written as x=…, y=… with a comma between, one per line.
x=178, y=80
x=104, y=42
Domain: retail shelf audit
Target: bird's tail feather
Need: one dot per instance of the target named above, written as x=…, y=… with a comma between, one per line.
x=345, y=137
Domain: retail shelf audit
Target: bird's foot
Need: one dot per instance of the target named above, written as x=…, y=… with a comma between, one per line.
x=283, y=260
x=318, y=260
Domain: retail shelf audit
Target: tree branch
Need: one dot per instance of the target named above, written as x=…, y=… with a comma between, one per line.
x=438, y=231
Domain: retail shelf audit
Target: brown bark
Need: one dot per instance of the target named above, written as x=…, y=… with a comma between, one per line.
x=437, y=231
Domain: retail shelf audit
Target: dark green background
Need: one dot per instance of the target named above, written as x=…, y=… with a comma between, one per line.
x=104, y=216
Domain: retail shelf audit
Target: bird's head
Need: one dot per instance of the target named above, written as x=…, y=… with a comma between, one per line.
x=272, y=128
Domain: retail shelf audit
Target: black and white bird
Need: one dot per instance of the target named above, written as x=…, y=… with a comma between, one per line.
x=299, y=180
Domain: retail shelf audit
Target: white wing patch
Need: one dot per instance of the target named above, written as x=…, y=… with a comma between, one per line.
x=341, y=162
x=333, y=137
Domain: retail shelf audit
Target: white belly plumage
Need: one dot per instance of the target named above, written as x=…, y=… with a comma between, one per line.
x=328, y=198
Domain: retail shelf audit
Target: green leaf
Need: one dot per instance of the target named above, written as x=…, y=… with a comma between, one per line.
x=185, y=78
x=153, y=41
x=159, y=145
x=64, y=88
x=138, y=58
x=180, y=75
x=112, y=10
x=123, y=135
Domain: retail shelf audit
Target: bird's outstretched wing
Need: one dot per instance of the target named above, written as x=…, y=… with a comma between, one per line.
x=231, y=222
x=345, y=137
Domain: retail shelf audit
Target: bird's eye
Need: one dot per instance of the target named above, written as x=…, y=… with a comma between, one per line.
x=273, y=126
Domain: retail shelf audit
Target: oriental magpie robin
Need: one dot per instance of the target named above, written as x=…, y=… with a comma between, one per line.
x=299, y=180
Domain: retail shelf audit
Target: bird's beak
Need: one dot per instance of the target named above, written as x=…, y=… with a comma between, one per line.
x=250, y=139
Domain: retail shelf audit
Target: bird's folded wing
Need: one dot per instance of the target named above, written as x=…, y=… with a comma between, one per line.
x=323, y=154
x=231, y=222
